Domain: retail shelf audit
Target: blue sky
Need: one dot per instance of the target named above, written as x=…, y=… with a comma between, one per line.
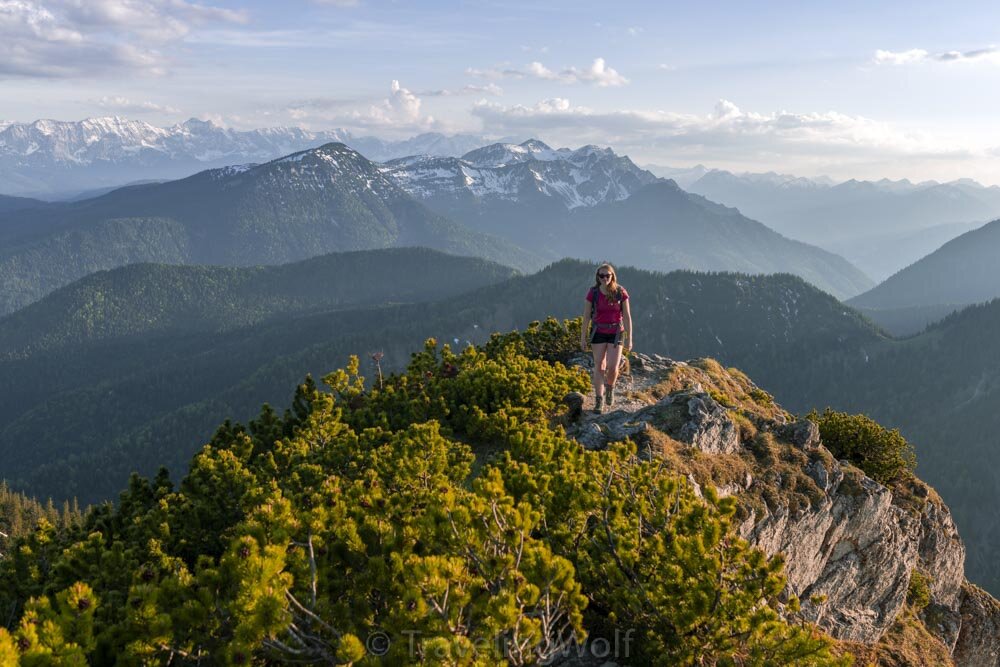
x=846, y=89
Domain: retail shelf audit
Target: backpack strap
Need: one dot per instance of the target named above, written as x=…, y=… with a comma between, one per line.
x=595, y=293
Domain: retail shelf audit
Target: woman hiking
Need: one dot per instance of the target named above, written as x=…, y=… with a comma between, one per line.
x=607, y=307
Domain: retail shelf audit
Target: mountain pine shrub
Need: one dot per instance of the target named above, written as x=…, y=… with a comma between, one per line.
x=352, y=530
x=883, y=454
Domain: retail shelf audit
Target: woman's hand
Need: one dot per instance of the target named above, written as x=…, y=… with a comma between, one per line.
x=583, y=344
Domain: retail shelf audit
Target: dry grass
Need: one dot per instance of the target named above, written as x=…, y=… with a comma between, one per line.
x=907, y=643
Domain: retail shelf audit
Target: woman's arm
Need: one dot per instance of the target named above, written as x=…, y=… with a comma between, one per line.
x=627, y=321
x=585, y=326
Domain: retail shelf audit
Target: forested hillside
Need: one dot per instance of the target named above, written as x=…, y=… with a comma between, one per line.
x=143, y=300
x=70, y=411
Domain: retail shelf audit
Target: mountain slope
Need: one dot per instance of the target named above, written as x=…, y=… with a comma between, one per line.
x=875, y=225
x=17, y=203
x=593, y=203
x=324, y=200
x=158, y=299
x=963, y=271
x=664, y=228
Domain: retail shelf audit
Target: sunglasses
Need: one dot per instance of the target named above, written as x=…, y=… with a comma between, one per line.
x=603, y=275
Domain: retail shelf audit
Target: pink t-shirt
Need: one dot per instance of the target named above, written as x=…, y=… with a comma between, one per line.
x=608, y=315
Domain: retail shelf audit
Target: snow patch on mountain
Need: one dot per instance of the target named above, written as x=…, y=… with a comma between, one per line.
x=578, y=178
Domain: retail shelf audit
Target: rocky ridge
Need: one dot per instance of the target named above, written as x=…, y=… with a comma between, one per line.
x=852, y=546
x=583, y=177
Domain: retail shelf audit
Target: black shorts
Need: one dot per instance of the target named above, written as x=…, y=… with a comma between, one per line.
x=599, y=338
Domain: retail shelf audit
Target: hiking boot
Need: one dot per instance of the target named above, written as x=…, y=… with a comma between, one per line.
x=598, y=404
x=609, y=395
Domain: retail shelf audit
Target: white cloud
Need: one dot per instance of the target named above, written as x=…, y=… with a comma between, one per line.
x=900, y=57
x=727, y=135
x=74, y=38
x=990, y=55
x=598, y=74
x=125, y=105
x=399, y=112
x=470, y=89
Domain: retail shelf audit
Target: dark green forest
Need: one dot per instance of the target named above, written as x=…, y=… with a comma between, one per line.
x=136, y=402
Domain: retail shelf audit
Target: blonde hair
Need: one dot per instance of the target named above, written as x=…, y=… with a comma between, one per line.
x=613, y=291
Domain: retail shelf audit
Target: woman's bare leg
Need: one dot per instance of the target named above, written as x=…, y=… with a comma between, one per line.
x=614, y=357
x=599, y=367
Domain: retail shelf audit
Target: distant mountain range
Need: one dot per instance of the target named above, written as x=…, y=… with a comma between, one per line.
x=492, y=203
x=49, y=158
x=963, y=271
x=879, y=226
x=309, y=203
x=591, y=203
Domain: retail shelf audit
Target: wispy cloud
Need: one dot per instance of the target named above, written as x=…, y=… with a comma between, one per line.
x=989, y=55
x=74, y=38
x=159, y=20
x=125, y=105
x=598, y=74
x=470, y=89
x=727, y=134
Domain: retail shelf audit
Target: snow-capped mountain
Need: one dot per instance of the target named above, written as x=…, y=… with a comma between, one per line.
x=326, y=199
x=50, y=157
x=522, y=172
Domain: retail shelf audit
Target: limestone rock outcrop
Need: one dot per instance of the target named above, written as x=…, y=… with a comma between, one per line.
x=851, y=544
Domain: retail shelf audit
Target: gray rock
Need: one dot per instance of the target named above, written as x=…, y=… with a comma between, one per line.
x=802, y=433
x=943, y=622
x=709, y=428
x=592, y=437
x=855, y=549
x=818, y=472
x=942, y=555
x=979, y=640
